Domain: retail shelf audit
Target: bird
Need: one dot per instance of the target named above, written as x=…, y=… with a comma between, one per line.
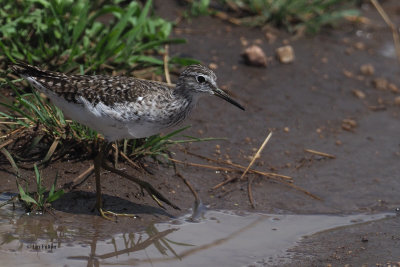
x=121, y=107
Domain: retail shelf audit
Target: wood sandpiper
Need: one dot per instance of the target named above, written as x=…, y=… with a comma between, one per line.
x=123, y=107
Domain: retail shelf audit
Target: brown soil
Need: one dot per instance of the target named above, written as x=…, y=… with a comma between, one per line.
x=312, y=103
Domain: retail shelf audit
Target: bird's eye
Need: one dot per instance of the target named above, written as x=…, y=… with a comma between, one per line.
x=200, y=79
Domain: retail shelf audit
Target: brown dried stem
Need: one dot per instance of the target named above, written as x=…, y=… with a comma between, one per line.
x=320, y=153
x=257, y=155
x=250, y=192
x=232, y=179
x=392, y=26
x=166, y=70
x=268, y=174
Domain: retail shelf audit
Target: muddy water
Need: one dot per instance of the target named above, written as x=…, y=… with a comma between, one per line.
x=217, y=238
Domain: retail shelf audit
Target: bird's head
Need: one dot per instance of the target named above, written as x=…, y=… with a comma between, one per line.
x=198, y=79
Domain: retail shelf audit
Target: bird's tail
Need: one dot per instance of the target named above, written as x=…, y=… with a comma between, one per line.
x=25, y=70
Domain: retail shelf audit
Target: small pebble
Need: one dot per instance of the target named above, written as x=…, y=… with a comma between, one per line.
x=359, y=46
x=349, y=124
x=358, y=93
x=367, y=69
x=380, y=84
x=348, y=74
x=258, y=41
x=285, y=54
x=271, y=38
x=349, y=51
x=393, y=88
x=244, y=41
x=397, y=100
x=346, y=40
x=213, y=66
x=255, y=56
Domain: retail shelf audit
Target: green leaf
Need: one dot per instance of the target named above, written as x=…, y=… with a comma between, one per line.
x=53, y=186
x=81, y=24
x=55, y=196
x=183, y=61
x=24, y=196
x=11, y=160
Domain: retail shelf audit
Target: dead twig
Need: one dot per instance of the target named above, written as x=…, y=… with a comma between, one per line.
x=322, y=154
x=302, y=190
x=12, y=133
x=186, y=182
x=201, y=165
x=232, y=179
x=392, y=26
x=225, y=16
x=250, y=192
x=131, y=162
x=257, y=155
x=166, y=70
x=6, y=143
x=83, y=176
x=194, y=192
x=268, y=174
x=218, y=168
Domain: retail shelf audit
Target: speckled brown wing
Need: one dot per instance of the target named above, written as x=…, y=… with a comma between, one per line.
x=95, y=88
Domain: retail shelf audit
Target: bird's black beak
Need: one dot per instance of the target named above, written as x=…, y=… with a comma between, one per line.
x=218, y=92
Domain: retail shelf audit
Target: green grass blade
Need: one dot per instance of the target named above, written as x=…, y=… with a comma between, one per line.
x=132, y=34
x=20, y=122
x=17, y=110
x=53, y=186
x=156, y=43
x=25, y=197
x=11, y=160
x=35, y=109
x=55, y=196
x=38, y=178
x=7, y=52
x=81, y=24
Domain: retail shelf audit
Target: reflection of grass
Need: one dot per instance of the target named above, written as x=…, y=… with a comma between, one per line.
x=163, y=245
x=289, y=14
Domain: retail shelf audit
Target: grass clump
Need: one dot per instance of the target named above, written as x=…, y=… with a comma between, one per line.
x=39, y=201
x=84, y=35
x=292, y=15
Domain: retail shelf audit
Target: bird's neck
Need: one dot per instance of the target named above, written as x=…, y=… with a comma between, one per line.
x=183, y=103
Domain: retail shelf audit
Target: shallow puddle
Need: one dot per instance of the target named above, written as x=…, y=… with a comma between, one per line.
x=219, y=238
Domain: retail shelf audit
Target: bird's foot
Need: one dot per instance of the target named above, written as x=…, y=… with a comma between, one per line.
x=112, y=216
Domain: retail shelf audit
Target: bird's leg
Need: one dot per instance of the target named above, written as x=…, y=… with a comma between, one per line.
x=155, y=195
x=97, y=167
x=98, y=163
